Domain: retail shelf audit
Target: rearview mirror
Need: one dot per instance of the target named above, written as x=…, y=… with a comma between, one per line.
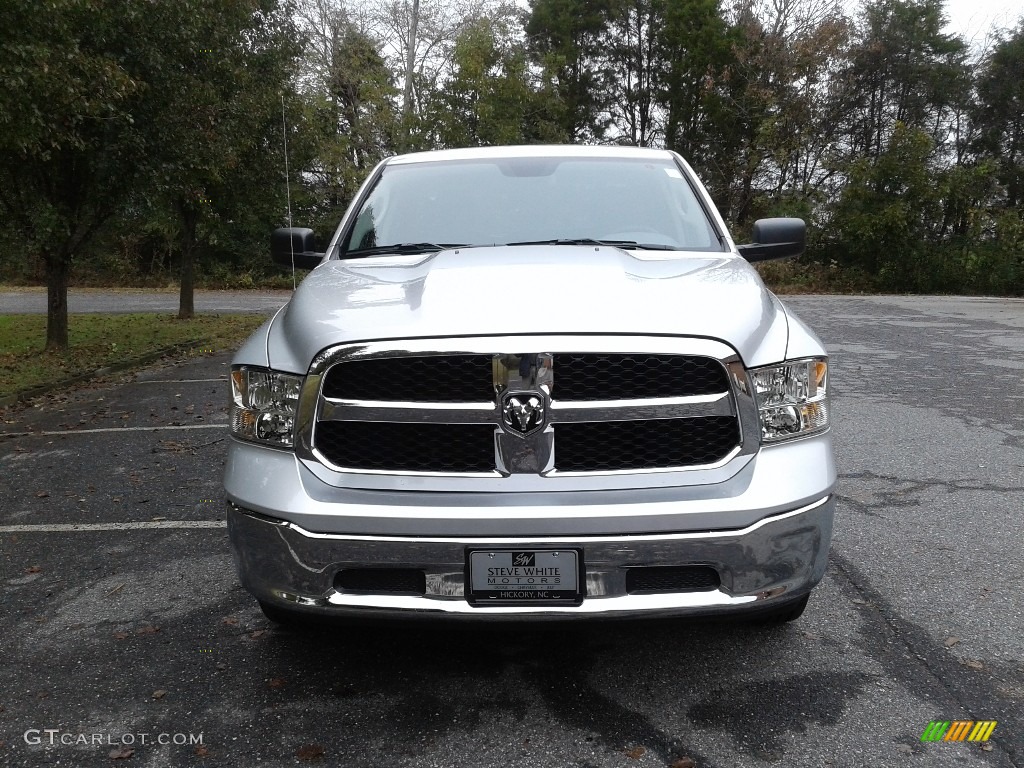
x=775, y=239
x=296, y=243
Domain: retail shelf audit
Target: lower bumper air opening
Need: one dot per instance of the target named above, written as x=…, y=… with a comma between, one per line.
x=657, y=580
x=375, y=581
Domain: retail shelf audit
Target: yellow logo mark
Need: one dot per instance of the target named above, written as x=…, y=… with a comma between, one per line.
x=959, y=730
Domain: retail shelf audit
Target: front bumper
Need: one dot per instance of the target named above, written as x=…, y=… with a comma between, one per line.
x=774, y=560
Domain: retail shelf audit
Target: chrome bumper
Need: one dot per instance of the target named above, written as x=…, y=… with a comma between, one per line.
x=771, y=561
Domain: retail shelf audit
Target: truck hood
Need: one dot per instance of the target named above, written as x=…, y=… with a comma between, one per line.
x=522, y=290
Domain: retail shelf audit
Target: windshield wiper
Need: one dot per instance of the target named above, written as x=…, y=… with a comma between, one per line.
x=627, y=244
x=403, y=249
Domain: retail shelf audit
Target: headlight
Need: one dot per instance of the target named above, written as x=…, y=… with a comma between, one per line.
x=792, y=398
x=263, y=405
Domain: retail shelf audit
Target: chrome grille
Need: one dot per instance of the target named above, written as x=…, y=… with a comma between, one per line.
x=381, y=445
x=625, y=377
x=400, y=410
x=603, y=446
x=424, y=379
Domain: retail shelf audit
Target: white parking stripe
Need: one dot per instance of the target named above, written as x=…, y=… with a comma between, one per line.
x=179, y=381
x=51, y=433
x=66, y=527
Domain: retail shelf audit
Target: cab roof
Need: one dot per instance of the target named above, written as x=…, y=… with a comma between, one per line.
x=534, y=150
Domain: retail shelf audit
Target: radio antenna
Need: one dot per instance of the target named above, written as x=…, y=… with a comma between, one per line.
x=288, y=187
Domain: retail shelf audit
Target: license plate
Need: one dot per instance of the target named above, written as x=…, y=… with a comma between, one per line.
x=525, y=576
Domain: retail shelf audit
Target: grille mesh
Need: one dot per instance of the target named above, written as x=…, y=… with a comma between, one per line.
x=648, y=444
x=424, y=379
x=662, y=579
x=376, y=580
x=622, y=377
x=407, y=447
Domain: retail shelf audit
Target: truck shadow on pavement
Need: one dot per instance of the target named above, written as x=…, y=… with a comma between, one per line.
x=619, y=686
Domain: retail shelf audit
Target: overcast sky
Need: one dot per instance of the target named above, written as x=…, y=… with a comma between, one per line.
x=975, y=18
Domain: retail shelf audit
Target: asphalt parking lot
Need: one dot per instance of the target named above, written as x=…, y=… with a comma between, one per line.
x=127, y=640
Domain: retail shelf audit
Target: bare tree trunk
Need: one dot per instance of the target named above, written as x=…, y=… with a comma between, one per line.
x=410, y=64
x=189, y=220
x=58, y=269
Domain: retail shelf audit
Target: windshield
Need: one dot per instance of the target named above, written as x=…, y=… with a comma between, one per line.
x=631, y=202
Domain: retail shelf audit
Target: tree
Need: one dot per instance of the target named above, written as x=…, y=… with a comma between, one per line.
x=489, y=100
x=217, y=134
x=903, y=69
x=566, y=39
x=419, y=38
x=121, y=101
x=69, y=147
x=635, y=70
x=352, y=111
x=355, y=119
x=999, y=114
x=777, y=117
x=696, y=47
x=884, y=223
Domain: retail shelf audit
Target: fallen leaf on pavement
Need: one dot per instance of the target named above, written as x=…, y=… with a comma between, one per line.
x=974, y=664
x=122, y=753
x=635, y=753
x=310, y=752
x=949, y=642
x=120, y=635
x=159, y=694
x=149, y=629
x=202, y=751
x=230, y=621
x=257, y=633
x=42, y=494
x=276, y=682
x=33, y=569
x=684, y=762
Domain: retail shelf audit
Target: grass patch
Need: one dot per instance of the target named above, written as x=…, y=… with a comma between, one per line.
x=98, y=341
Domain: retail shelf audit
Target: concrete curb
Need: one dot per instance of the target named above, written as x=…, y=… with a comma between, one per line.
x=45, y=389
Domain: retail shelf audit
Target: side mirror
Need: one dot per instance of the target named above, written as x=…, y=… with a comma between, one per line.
x=775, y=239
x=297, y=241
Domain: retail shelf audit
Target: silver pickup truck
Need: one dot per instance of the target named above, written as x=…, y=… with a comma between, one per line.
x=532, y=382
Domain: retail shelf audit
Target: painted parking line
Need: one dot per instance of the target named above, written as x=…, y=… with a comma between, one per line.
x=180, y=381
x=150, y=524
x=51, y=433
